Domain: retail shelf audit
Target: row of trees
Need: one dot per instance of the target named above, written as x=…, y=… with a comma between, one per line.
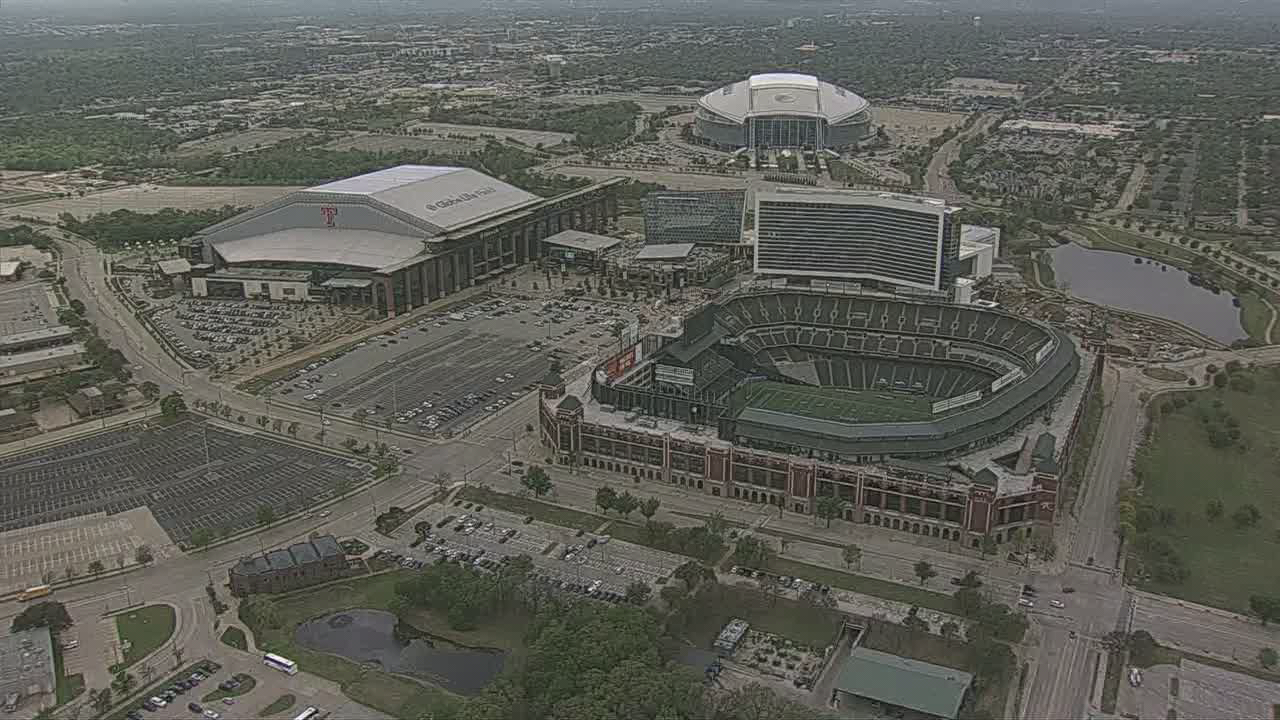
x=120, y=227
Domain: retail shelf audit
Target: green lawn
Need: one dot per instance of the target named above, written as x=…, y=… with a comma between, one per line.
x=279, y=705
x=546, y=512
x=1183, y=472
x=866, y=585
x=143, y=631
x=829, y=403
x=1254, y=316
x=234, y=637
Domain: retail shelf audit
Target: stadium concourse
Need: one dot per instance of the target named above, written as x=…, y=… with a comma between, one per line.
x=394, y=239
x=931, y=418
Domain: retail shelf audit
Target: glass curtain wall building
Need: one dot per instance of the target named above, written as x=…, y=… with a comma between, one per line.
x=701, y=217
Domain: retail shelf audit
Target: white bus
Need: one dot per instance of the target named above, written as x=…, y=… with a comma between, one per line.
x=282, y=664
x=308, y=714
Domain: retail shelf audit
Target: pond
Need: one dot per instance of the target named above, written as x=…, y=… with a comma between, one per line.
x=369, y=636
x=1147, y=286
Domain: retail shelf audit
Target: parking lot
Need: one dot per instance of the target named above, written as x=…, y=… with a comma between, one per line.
x=562, y=557
x=230, y=331
x=25, y=307
x=268, y=686
x=441, y=373
x=165, y=469
x=1196, y=690
x=33, y=555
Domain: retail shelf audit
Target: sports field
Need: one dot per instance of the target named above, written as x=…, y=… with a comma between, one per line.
x=1183, y=472
x=854, y=406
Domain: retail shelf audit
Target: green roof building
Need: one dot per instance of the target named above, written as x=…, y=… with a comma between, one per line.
x=920, y=686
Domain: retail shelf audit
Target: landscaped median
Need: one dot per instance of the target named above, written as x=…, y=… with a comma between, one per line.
x=142, y=632
x=279, y=705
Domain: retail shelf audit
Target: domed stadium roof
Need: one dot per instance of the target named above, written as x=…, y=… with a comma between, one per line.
x=783, y=94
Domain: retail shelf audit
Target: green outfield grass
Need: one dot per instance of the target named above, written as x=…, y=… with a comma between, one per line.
x=853, y=406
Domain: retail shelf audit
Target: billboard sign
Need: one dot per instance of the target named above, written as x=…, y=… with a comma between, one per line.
x=673, y=375
x=955, y=402
x=1007, y=379
x=620, y=364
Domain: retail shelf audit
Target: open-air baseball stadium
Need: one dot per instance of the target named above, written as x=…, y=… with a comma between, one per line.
x=848, y=376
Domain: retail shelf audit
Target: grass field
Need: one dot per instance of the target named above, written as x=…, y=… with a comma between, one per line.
x=234, y=637
x=144, y=630
x=1254, y=317
x=865, y=585
x=1183, y=472
x=867, y=406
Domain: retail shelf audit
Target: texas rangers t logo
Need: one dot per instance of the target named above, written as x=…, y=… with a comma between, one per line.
x=330, y=213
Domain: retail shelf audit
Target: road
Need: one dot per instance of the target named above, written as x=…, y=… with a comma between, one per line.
x=937, y=178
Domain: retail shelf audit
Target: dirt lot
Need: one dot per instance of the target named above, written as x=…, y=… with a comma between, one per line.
x=152, y=198
x=223, y=142
x=528, y=137
x=913, y=127
x=383, y=143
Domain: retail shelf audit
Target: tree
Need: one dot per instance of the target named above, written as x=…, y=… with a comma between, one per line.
x=178, y=652
x=649, y=508
x=444, y=477
x=715, y=523
x=925, y=571
x=626, y=503
x=293, y=429
x=752, y=552
x=950, y=630
x=172, y=405
x=266, y=514
x=1265, y=607
x=144, y=555
x=1246, y=516
x=1213, y=510
x=971, y=579
x=201, y=537
x=605, y=498
x=96, y=568
x=537, y=481
x=1267, y=657
x=852, y=555
x=638, y=593
x=828, y=508
x=50, y=613
x=124, y=683
x=100, y=700
x=149, y=390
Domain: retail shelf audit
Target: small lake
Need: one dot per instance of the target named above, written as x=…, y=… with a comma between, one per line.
x=1146, y=286
x=369, y=636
